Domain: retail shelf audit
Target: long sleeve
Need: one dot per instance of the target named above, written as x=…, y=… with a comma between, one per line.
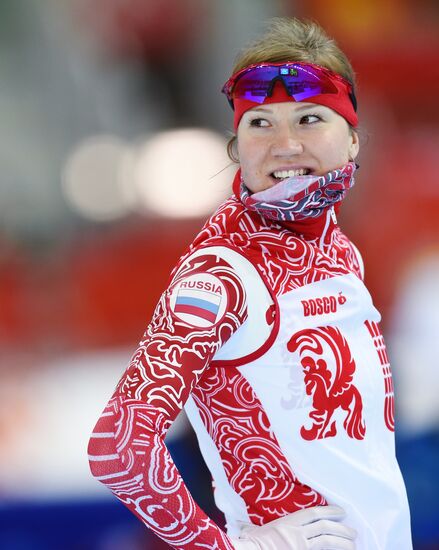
x=204, y=305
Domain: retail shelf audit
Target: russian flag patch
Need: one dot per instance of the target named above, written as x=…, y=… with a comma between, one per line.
x=199, y=300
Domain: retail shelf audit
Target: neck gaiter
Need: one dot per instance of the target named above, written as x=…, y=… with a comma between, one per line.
x=300, y=197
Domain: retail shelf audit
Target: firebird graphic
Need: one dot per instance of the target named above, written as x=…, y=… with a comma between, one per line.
x=330, y=389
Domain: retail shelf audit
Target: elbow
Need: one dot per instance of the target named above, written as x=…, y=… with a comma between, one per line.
x=112, y=461
x=97, y=457
x=103, y=457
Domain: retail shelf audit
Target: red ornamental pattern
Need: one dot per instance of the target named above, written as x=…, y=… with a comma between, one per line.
x=127, y=451
x=250, y=453
x=330, y=389
x=284, y=259
x=389, y=406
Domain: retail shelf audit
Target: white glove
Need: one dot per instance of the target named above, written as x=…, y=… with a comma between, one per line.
x=316, y=528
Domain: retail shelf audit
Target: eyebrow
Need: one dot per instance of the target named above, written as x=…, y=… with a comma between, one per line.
x=299, y=108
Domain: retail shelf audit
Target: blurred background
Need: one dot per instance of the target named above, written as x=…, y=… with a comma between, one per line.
x=112, y=153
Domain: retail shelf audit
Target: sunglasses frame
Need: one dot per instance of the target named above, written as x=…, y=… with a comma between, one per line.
x=229, y=86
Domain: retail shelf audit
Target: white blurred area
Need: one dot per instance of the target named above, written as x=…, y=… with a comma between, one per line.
x=92, y=179
x=414, y=344
x=181, y=173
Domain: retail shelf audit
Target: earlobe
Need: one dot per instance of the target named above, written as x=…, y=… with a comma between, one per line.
x=352, y=156
x=232, y=149
x=354, y=146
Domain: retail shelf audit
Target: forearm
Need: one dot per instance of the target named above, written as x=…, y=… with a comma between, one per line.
x=127, y=454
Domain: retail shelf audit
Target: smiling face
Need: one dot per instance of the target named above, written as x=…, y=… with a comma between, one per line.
x=280, y=140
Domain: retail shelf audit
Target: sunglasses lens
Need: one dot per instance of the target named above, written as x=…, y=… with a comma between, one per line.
x=300, y=82
x=255, y=84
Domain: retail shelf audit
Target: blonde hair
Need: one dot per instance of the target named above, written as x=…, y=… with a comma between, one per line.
x=291, y=39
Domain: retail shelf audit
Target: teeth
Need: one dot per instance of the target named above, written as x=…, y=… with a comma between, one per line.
x=290, y=173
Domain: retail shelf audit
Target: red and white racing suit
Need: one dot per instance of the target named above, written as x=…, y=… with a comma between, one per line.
x=269, y=338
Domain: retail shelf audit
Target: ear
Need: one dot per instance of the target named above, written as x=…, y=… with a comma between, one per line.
x=354, y=144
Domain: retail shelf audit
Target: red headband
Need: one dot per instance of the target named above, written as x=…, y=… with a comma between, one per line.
x=340, y=102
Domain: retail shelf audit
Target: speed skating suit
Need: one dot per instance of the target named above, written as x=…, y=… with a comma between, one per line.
x=269, y=338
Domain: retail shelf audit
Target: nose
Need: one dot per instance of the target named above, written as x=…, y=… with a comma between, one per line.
x=286, y=142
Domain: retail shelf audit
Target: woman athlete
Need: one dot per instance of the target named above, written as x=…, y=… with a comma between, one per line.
x=268, y=337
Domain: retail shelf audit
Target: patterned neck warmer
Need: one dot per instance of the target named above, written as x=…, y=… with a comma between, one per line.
x=300, y=197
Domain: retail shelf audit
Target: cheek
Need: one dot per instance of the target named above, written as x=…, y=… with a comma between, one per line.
x=251, y=175
x=250, y=157
x=335, y=148
x=251, y=162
